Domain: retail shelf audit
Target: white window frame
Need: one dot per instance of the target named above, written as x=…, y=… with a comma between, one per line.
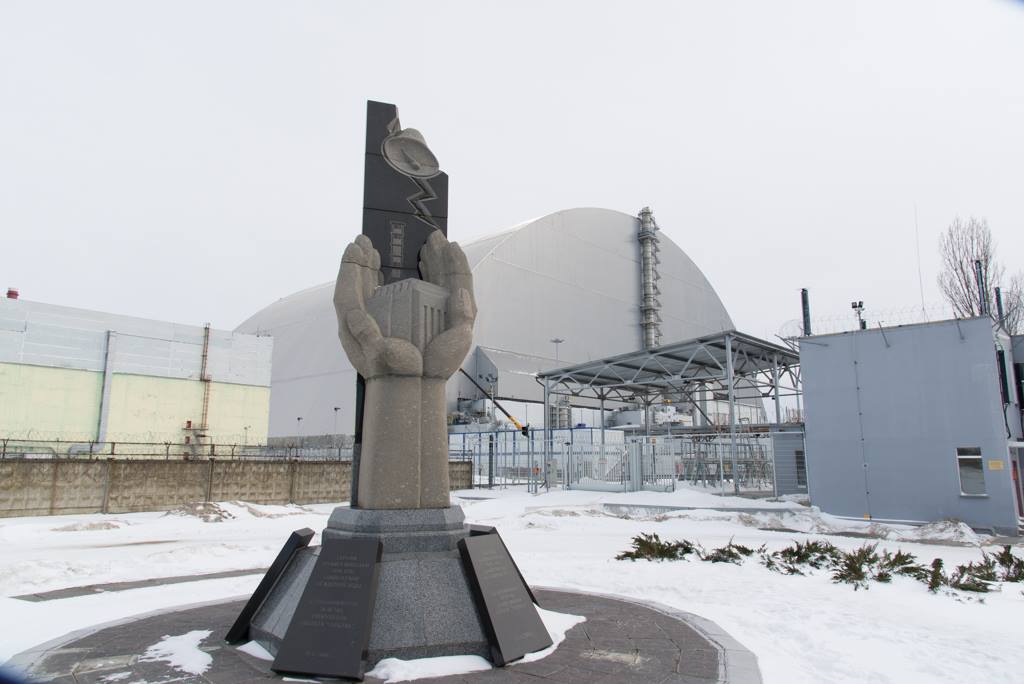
x=981, y=459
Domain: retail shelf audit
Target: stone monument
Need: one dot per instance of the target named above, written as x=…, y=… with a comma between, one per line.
x=399, y=575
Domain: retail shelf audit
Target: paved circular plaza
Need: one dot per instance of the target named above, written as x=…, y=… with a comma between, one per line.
x=621, y=641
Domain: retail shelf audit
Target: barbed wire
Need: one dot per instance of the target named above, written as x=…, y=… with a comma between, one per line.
x=848, y=321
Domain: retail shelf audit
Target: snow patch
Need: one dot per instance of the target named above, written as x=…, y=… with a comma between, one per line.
x=398, y=670
x=254, y=649
x=945, y=530
x=205, y=511
x=182, y=652
x=88, y=526
x=557, y=625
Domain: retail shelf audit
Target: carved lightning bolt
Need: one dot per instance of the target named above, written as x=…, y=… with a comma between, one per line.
x=417, y=200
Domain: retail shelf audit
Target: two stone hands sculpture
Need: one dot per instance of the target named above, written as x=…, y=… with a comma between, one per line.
x=406, y=339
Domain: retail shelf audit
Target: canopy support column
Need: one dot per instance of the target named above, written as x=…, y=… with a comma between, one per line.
x=732, y=412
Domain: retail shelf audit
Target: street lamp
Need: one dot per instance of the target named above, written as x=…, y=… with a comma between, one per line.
x=336, y=409
x=245, y=439
x=556, y=341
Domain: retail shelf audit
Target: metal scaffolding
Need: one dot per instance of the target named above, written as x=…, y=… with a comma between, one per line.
x=740, y=366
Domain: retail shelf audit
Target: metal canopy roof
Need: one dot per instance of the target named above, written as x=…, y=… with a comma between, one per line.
x=673, y=367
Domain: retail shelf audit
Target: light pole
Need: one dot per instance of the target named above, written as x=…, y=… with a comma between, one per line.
x=298, y=428
x=336, y=409
x=245, y=438
x=859, y=308
x=556, y=341
x=490, y=379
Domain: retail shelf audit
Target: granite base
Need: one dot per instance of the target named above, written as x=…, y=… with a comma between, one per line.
x=424, y=606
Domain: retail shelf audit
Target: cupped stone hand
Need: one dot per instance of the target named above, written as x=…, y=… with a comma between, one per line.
x=442, y=263
x=372, y=354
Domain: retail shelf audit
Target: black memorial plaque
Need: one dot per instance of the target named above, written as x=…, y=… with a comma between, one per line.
x=330, y=631
x=478, y=530
x=239, y=631
x=513, y=625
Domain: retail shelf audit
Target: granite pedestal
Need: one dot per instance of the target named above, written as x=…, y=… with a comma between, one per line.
x=424, y=606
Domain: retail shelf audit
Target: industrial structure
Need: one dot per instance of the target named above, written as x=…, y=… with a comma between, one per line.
x=917, y=423
x=78, y=377
x=692, y=373
x=569, y=287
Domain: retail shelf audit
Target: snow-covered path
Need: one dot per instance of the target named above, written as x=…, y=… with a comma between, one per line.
x=803, y=629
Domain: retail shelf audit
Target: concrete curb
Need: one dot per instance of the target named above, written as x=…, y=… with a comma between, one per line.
x=23, y=662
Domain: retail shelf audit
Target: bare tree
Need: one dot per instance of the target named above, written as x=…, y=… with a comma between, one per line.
x=963, y=243
x=1013, y=305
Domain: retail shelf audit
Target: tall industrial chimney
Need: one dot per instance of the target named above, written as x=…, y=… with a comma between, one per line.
x=650, y=307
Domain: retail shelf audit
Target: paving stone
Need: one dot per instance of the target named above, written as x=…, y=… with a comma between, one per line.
x=622, y=641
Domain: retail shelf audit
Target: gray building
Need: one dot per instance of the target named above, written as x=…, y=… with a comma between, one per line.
x=916, y=423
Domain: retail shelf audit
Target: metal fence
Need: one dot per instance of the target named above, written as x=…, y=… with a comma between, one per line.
x=700, y=460
x=703, y=460
x=44, y=449
x=504, y=458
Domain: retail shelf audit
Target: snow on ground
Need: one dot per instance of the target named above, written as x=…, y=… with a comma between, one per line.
x=802, y=629
x=398, y=670
x=182, y=652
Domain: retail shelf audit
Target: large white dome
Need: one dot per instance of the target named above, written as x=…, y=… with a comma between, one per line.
x=574, y=275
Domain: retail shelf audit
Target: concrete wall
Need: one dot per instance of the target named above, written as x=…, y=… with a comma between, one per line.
x=56, y=487
x=49, y=403
x=885, y=415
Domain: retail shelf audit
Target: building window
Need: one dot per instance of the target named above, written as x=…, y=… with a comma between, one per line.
x=801, y=468
x=972, y=474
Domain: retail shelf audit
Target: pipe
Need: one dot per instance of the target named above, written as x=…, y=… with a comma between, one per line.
x=108, y=376
x=979, y=277
x=805, y=304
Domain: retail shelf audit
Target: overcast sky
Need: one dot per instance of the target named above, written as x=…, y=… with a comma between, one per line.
x=195, y=161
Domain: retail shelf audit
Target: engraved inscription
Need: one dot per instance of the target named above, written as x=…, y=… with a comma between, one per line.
x=331, y=628
x=512, y=622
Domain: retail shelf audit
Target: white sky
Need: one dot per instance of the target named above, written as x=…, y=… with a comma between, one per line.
x=194, y=161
